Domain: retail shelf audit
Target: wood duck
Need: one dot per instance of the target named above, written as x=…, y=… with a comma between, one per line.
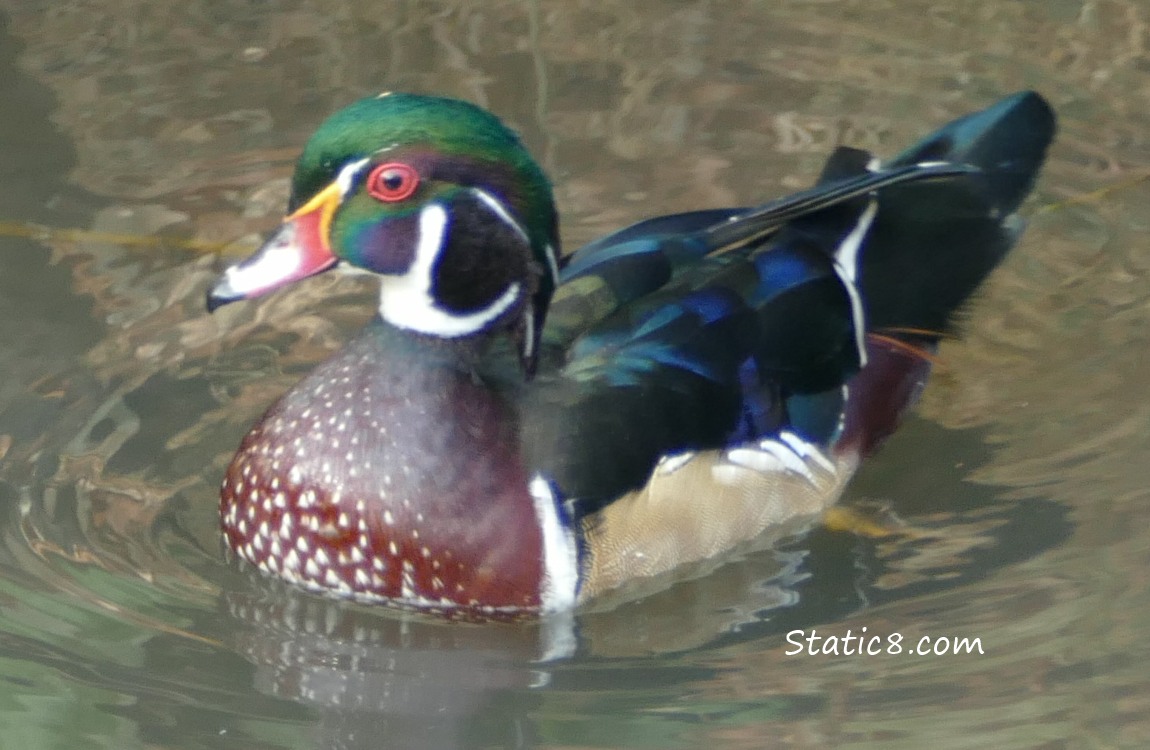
x=518, y=431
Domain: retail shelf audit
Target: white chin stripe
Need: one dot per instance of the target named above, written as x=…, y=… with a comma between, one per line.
x=560, y=558
x=406, y=301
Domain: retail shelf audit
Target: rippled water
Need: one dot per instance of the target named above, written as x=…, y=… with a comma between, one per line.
x=1019, y=486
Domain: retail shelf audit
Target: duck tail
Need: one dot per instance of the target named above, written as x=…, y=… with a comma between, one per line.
x=931, y=246
x=933, y=243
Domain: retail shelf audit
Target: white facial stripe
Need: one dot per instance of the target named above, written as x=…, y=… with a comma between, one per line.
x=528, y=331
x=846, y=266
x=348, y=174
x=552, y=264
x=406, y=301
x=560, y=561
x=498, y=209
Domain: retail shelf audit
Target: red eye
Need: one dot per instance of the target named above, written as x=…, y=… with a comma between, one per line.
x=392, y=182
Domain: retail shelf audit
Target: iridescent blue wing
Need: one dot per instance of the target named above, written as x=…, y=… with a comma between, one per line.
x=708, y=329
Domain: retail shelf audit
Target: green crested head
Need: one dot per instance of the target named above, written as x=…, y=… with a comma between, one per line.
x=451, y=128
x=439, y=198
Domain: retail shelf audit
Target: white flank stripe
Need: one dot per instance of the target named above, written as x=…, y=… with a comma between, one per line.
x=846, y=266
x=847, y=253
x=406, y=301
x=557, y=640
x=560, y=561
x=771, y=456
x=756, y=459
x=807, y=450
x=842, y=423
x=671, y=463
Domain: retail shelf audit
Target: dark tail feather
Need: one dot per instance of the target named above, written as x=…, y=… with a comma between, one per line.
x=1007, y=141
x=933, y=243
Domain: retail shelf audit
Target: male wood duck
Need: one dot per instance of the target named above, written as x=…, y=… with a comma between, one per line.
x=518, y=432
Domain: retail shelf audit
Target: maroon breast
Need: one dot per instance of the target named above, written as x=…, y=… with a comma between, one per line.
x=882, y=392
x=387, y=478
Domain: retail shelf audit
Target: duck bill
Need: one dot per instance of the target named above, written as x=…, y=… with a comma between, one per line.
x=300, y=248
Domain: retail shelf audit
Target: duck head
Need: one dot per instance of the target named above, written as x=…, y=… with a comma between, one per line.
x=436, y=197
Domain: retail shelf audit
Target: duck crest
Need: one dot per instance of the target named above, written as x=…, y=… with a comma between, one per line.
x=703, y=380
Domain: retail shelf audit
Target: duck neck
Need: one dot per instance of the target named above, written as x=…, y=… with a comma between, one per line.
x=464, y=353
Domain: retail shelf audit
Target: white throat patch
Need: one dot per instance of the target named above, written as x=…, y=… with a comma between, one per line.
x=406, y=301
